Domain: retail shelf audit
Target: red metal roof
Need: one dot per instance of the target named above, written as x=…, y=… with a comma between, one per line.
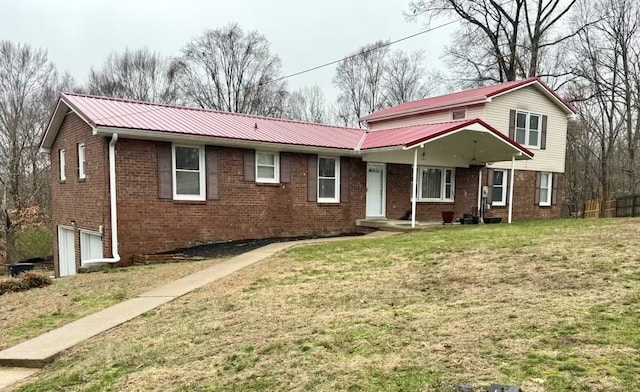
x=466, y=97
x=416, y=134
x=177, y=120
x=123, y=113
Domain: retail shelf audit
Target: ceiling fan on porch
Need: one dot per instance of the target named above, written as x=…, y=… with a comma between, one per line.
x=473, y=160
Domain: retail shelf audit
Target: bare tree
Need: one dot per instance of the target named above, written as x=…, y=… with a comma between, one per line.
x=28, y=82
x=605, y=63
x=232, y=70
x=500, y=41
x=136, y=74
x=360, y=79
x=405, y=79
x=307, y=104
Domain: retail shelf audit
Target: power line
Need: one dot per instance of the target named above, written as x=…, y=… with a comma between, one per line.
x=384, y=45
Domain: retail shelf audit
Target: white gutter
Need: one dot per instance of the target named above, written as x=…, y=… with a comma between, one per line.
x=114, y=213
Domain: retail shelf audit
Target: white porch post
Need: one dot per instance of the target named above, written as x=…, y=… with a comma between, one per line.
x=513, y=166
x=479, y=193
x=414, y=189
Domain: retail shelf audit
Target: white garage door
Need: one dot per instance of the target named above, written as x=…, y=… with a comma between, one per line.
x=90, y=246
x=66, y=251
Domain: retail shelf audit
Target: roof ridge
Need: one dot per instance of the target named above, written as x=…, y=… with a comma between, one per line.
x=183, y=107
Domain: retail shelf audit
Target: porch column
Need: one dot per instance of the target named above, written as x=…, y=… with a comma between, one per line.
x=414, y=189
x=480, y=194
x=513, y=166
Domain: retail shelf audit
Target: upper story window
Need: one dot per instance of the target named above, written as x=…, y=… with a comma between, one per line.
x=81, y=159
x=62, y=165
x=328, y=180
x=459, y=114
x=188, y=173
x=545, y=189
x=528, y=129
x=267, y=167
x=436, y=184
x=499, y=190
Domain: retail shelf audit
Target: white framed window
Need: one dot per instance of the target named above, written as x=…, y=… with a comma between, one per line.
x=267, y=167
x=328, y=180
x=436, y=184
x=81, y=172
x=545, y=189
x=528, y=129
x=188, y=172
x=63, y=164
x=499, y=191
x=90, y=245
x=459, y=114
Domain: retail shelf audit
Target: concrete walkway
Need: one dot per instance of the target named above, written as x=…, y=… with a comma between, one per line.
x=27, y=356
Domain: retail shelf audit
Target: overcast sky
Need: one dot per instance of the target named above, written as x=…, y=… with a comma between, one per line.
x=80, y=34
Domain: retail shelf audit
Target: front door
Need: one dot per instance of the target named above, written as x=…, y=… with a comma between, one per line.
x=376, y=189
x=66, y=251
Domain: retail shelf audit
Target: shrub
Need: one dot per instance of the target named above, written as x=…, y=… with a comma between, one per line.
x=25, y=281
x=33, y=242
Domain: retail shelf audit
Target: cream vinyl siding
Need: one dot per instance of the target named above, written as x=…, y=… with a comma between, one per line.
x=476, y=111
x=531, y=99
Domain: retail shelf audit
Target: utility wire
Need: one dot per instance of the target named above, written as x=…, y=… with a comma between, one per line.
x=384, y=45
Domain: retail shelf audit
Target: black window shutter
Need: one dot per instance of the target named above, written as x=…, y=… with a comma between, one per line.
x=538, y=182
x=249, y=165
x=285, y=167
x=556, y=187
x=312, y=178
x=543, y=134
x=344, y=179
x=165, y=177
x=490, y=186
x=212, y=173
x=512, y=124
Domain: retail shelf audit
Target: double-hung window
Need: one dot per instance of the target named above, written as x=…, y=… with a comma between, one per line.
x=81, y=172
x=499, y=191
x=267, y=167
x=62, y=165
x=545, y=189
x=528, y=129
x=188, y=173
x=328, y=180
x=436, y=184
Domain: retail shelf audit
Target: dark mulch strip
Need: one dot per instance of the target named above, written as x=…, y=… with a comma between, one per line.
x=234, y=248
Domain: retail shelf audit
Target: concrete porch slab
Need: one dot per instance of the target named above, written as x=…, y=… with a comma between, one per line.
x=397, y=225
x=9, y=376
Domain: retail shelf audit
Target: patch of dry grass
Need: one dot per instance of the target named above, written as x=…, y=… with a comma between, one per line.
x=24, y=315
x=549, y=306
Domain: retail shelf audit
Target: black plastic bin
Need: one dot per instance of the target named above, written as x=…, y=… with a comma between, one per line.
x=18, y=268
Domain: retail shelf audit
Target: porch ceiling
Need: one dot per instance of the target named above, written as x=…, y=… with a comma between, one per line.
x=473, y=144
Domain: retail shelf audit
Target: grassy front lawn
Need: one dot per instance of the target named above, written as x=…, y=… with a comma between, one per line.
x=27, y=314
x=548, y=306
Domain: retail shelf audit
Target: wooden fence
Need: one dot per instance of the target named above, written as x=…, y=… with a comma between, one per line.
x=602, y=208
x=628, y=206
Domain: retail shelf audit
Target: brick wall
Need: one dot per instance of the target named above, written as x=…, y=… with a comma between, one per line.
x=524, y=206
x=85, y=201
x=246, y=210
x=399, y=179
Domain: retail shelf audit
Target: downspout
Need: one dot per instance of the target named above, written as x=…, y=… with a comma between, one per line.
x=513, y=167
x=113, y=209
x=414, y=190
